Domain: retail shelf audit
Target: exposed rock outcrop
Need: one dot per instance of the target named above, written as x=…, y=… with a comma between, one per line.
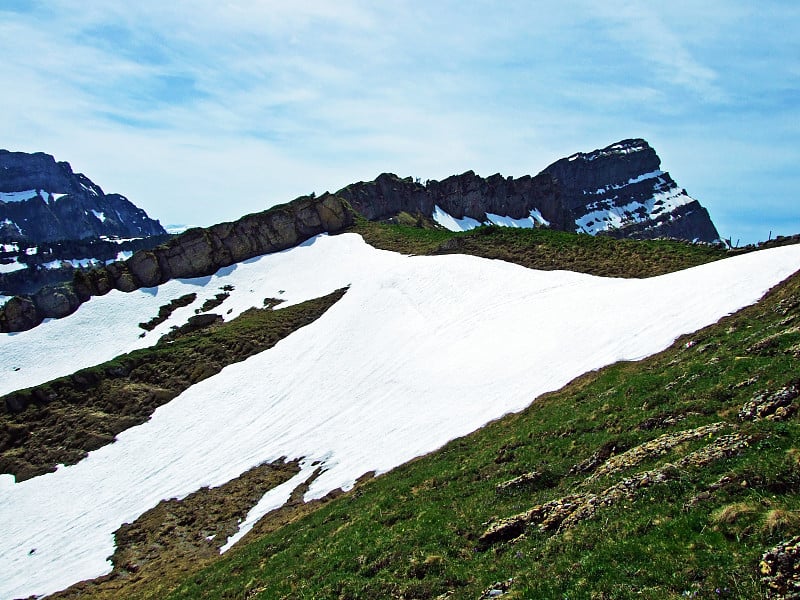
x=619, y=190
x=780, y=570
x=195, y=253
x=465, y=195
x=42, y=200
x=564, y=513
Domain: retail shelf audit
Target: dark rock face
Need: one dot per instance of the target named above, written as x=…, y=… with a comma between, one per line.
x=195, y=253
x=42, y=200
x=465, y=195
x=619, y=190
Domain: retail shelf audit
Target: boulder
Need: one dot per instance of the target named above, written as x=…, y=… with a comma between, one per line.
x=19, y=314
x=144, y=267
x=55, y=302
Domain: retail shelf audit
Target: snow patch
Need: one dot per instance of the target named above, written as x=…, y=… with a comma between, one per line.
x=376, y=381
x=121, y=255
x=14, y=265
x=645, y=176
x=99, y=215
x=274, y=498
x=449, y=222
x=607, y=216
x=19, y=196
x=76, y=263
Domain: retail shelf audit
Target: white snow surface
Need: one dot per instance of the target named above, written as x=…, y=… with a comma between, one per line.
x=18, y=196
x=14, y=265
x=122, y=255
x=420, y=350
x=607, y=216
x=101, y=216
x=448, y=221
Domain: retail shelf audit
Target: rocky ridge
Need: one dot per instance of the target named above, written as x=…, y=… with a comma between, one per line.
x=194, y=253
x=42, y=200
x=619, y=190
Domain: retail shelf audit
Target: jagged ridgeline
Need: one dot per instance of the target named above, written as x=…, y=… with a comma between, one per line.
x=42, y=200
x=54, y=221
x=619, y=191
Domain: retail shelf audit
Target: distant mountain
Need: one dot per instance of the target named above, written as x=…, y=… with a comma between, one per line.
x=42, y=200
x=619, y=190
x=54, y=222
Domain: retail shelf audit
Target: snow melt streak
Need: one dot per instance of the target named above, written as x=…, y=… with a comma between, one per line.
x=387, y=374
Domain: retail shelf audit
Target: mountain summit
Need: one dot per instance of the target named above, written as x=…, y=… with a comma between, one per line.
x=619, y=190
x=42, y=200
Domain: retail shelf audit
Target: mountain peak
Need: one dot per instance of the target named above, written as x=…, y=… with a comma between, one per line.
x=43, y=200
x=619, y=190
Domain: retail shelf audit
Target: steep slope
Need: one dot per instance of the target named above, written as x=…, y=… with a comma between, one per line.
x=42, y=200
x=418, y=351
x=621, y=190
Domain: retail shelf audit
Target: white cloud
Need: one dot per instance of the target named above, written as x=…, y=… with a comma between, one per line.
x=194, y=100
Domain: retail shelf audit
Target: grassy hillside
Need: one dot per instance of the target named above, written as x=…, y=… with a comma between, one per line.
x=665, y=478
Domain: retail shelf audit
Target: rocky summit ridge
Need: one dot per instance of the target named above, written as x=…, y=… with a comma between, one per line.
x=42, y=200
x=619, y=190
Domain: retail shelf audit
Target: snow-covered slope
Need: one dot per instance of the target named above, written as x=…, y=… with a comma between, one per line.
x=420, y=350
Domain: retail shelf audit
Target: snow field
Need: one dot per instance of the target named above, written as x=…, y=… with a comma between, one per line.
x=419, y=351
x=448, y=221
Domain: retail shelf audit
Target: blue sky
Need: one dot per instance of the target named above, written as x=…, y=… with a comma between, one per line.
x=203, y=111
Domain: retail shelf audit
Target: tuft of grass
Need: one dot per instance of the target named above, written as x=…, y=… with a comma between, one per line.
x=781, y=521
x=730, y=514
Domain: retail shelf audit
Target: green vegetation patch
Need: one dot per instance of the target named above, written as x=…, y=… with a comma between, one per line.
x=67, y=417
x=166, y=310
x=546, y=249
